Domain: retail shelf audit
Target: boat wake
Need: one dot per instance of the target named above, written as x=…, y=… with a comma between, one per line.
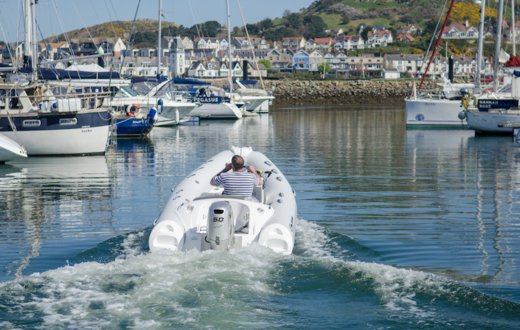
x=120, y=284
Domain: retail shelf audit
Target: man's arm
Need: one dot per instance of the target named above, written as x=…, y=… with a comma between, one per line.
x=252, y=169
x=226, y=168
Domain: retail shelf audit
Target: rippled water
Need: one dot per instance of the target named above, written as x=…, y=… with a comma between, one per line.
x=399, y=229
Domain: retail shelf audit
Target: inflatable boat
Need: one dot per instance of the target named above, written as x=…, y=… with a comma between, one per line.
x=198, y=217
x=9, y=149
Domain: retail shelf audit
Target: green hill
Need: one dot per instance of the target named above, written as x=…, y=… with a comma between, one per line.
x=318, y=20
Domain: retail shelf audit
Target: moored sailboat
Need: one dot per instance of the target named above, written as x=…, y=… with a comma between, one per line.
x=496, y=111
x=442, y=110
x=46, y=120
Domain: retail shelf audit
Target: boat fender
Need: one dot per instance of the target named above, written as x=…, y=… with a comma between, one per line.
x=465, y=102
x=277, y=237
x=220, y=226
x=160, y=104
x=133, y=110
x=152, y=116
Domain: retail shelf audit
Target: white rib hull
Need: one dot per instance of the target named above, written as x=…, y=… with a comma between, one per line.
x=271, y=218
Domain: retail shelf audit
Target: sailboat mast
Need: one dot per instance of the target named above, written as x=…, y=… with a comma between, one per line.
x=230, y=75
x=30, y=60
x=159, y=37
x=513, y=26
x=498, y=43
x=480, y=49
x=437, y=42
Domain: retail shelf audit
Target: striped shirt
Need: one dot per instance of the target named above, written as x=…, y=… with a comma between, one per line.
x=239, y=183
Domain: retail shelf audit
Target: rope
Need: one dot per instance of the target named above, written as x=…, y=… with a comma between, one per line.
x=252, y=47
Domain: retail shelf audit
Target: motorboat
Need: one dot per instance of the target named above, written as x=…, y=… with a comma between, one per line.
x=132, y=122
x=255, y=99
x=213, y=105
x=10, y=150
x=170, y=111
x=211, y=101
x=198, y=217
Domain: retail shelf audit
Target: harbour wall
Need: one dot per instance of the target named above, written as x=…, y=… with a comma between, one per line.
x=342, y=91
x=299, y=91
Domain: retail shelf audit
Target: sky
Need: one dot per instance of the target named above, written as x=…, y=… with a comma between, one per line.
x=59, y=16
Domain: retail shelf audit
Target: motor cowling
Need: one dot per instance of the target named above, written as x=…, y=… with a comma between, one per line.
x=220, y=226
x=152, y=116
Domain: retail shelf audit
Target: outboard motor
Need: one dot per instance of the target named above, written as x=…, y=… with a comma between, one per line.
x=220, y=226
x=152, y=116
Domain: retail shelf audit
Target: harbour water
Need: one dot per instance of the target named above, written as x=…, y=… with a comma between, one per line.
x=398, y=229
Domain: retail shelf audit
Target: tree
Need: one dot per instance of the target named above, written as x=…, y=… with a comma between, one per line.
x=344, y=20
x=266, y=63
x=252, y=29
x=463, y=11
x=238, y=32
x=364, y=33
x=293, y=21
x=313, y=26
x=211, y=28
x=278, y=34
x=324, y=67
x=265, y=24
x=144, y=39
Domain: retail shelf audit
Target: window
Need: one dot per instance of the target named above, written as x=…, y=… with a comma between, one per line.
x=68, y=121
x=3, y=94
x=31, y=123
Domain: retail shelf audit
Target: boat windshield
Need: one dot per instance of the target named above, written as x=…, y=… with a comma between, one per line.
x=169, y=90
x=125, y=91
x=506, y=89
x=143, y=87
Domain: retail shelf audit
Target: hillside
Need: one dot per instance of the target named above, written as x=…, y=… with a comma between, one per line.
x=117, y=29
x=352, y=16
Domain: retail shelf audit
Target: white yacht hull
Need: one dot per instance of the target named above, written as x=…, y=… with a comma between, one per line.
x=173, y=112
x=258, y=104
x=78, y=141
x=493, y=121
x=60, y=134
x=222, y=110
x=433, y=112
x=187, y=220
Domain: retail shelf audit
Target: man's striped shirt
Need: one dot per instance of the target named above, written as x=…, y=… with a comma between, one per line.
x=239, y=183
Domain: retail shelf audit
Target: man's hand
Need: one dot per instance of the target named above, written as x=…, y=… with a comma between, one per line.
x=227, y=167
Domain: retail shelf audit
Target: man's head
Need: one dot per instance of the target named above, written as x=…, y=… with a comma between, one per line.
x=237, y=162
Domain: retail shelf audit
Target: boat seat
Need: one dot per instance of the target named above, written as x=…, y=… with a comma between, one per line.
x=217, y=195
x=258, y=193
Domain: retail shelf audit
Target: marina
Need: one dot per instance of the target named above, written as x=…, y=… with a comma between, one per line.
x=159, y=176
x=416, y=228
